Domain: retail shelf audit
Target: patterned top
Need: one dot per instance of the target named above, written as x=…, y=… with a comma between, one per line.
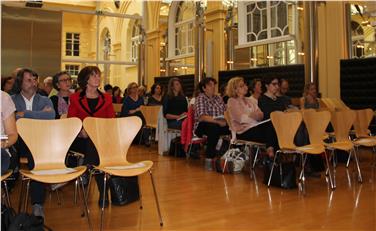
x=204, y=105
x=7, y=108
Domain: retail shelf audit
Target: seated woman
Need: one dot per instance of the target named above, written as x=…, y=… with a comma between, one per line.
x=62, y=82
x=256, y=87
x=90, y=102
x=245, y=114
x=209, y=118
x=268, y=103
x=116, y=95
x=175, y=104
x=8, y=128
x=132, y=107
x=309, y=99
x=156, y=95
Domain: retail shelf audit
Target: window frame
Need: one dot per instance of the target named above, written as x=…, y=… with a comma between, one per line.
x=73, y=41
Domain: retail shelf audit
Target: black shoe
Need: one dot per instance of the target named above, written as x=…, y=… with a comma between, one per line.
x=312, y=174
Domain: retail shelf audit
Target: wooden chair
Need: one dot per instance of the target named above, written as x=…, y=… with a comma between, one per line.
x=333, y=104
x=117, y=108
x=361, y=124
x=112, y=139
x=342, y=122
x=249, y=143
x=4, y=178
x=286, y=125
x=151, y=116
x=48, y=142
x=316, y=123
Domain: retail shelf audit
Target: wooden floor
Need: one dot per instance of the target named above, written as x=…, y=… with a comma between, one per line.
x=194, y=199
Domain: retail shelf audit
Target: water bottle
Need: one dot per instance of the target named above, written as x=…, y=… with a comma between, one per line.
x=146, y=99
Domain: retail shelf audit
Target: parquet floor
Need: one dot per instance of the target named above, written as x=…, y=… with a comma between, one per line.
x=194, y=199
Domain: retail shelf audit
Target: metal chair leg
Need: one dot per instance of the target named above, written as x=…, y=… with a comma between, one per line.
x=156, y=199
x=328, y=170
x=75, y=191
x=84, y=199
x=21, y=199
x=255, y=159
x=140, y=193
x=104, y=199
x=27, y=196
x=58, y=197
x=271, y=171
x=88, y=185
x=7, y=194
x=360, y=179
x=348, y=160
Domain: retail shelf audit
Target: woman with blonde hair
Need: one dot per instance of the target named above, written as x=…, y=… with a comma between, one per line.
x=309, y=99
x=245, y=114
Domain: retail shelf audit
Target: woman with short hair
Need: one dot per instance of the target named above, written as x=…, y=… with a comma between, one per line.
x=62, y=82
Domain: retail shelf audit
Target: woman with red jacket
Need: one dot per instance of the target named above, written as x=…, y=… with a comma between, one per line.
x=90, y=102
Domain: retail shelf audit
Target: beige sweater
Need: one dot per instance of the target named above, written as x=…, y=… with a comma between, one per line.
x=239, y=110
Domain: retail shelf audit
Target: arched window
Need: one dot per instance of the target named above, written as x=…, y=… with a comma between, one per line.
x=184, y=21
x=135, y=40
x=270, y=30
x=357, y=38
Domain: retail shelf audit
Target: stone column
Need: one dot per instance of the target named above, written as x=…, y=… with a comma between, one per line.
x=152, y=56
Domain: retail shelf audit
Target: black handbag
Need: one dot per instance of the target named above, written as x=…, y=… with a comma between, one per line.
x=288, y=178
x=124, y=190
x=176, y=148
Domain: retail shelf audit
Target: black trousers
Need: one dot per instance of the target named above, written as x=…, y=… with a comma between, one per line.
x=213, y=132
x=37, y=190
x=263, y=133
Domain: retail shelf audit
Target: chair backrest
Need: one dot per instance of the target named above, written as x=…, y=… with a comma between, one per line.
x=362, y=122
x=286, y=126
x=117, y=107
x=49, y=140
x=316, y=124
x=151, y=115
x=64, y=116
x=342, y=122
x=112, y=137
x=333, y=104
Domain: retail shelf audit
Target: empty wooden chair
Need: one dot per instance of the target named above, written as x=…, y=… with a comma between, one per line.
x=112, y=139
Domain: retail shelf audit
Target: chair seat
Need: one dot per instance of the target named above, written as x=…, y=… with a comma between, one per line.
x=312, y=149
x=248, y=142
x=128, y=170
x=55, y=178
x=368, y=142
x=344, y=145
x=6, y=175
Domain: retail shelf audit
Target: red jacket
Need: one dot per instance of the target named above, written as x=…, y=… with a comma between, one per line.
x=187, y=129
x=79, y=107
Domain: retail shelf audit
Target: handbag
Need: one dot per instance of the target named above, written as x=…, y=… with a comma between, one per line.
x=286, y=179
x=235, y=160
x=176, y=148
x=124, y=190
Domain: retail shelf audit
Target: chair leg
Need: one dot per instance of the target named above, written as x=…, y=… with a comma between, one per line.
x=104, y=201
x=7, y=194
x=303, y=162
x=360, y=179
x=140, y=193
x=27, y=196
x=328, y=171
x=58, y=197
x=75, y=191
x=142, y=133
x=88, y=185
x=84, y=201
x=271, y=171
x=255, y=159
x=21, y=199
x=156, y=199
x=348, y=160
x=189, y=151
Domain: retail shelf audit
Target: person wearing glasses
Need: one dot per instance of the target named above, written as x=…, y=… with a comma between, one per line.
x=62, y=82
x=268, y=103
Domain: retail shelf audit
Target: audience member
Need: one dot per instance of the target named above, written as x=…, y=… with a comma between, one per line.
x=108, y=89
x=116, y=95
x=282, y=93
x=223, y=93
x=256, y=87
x=209, y=118
x=8, y=128
x=244, y=113
x=90, y=102
x=175, y=104
x=310, y=99
x=29, y=104
x=156, y=95
x=7, y=84
x=268, y=103
x=61, y=81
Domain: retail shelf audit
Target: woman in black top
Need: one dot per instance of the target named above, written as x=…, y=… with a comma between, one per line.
x=175, y=104
x=62, y=82
x=268, y=103
x=156, y=94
